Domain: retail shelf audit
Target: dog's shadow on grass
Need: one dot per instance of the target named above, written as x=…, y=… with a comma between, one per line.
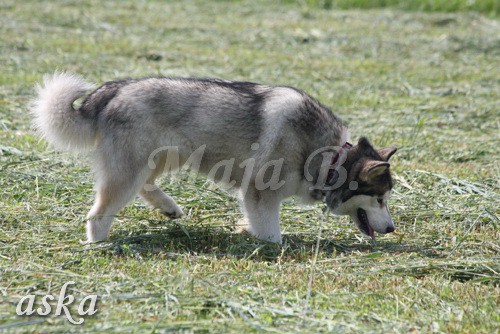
x=178, y=240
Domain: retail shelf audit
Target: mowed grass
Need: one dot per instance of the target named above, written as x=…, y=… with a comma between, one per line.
x=427, y=83
x=490, y=7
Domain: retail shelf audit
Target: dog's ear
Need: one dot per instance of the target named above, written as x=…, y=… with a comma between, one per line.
x=386, y=153
x=364, y=143
x=372, y=169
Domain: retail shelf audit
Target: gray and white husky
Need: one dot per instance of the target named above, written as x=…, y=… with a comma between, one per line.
x=267, y=142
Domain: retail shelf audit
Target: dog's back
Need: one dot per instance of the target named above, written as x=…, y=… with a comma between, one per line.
x=230, y=116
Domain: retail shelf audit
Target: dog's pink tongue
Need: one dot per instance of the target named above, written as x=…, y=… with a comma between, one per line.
x=371, y=232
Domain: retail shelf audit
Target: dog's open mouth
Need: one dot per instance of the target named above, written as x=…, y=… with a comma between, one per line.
x=364, y=225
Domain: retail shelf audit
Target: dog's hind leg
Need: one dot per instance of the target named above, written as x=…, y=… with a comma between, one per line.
x=262, y=214
x=113, y=191
x=156, y=198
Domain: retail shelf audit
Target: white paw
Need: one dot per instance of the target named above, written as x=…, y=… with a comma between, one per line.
x=241, y=226
x=173, y=213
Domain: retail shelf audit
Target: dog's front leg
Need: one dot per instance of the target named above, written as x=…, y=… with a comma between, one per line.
x=262, y=214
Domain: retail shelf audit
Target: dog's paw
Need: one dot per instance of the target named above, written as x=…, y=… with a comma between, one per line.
x=89, y=245
x=173, y=214
x=241, y=226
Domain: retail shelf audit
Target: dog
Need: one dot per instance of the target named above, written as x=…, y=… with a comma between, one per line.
x=266, y=142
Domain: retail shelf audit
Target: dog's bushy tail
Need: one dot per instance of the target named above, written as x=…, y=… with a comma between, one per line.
x=55, y=118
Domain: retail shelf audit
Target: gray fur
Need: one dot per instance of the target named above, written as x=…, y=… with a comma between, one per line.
x=131, y=119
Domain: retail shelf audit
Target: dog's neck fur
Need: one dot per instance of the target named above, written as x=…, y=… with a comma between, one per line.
x=336, y=196
x=332, y=137
x=337, y=160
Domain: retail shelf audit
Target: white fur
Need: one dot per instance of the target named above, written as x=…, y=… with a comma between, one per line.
x=345, y=137
x=378, y=215
x=54, y=116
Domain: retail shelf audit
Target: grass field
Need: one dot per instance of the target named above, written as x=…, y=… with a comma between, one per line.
x=489, y=7
x=425, y=82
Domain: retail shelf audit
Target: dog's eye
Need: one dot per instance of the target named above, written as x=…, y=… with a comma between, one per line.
x=380, y=200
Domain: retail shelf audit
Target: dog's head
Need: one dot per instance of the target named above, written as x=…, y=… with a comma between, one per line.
x=365, y=192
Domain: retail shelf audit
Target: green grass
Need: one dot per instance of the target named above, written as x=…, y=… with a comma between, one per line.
x=490, y=7
x=425, y=82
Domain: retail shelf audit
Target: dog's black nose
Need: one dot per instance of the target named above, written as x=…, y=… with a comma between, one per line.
x=389, y=229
